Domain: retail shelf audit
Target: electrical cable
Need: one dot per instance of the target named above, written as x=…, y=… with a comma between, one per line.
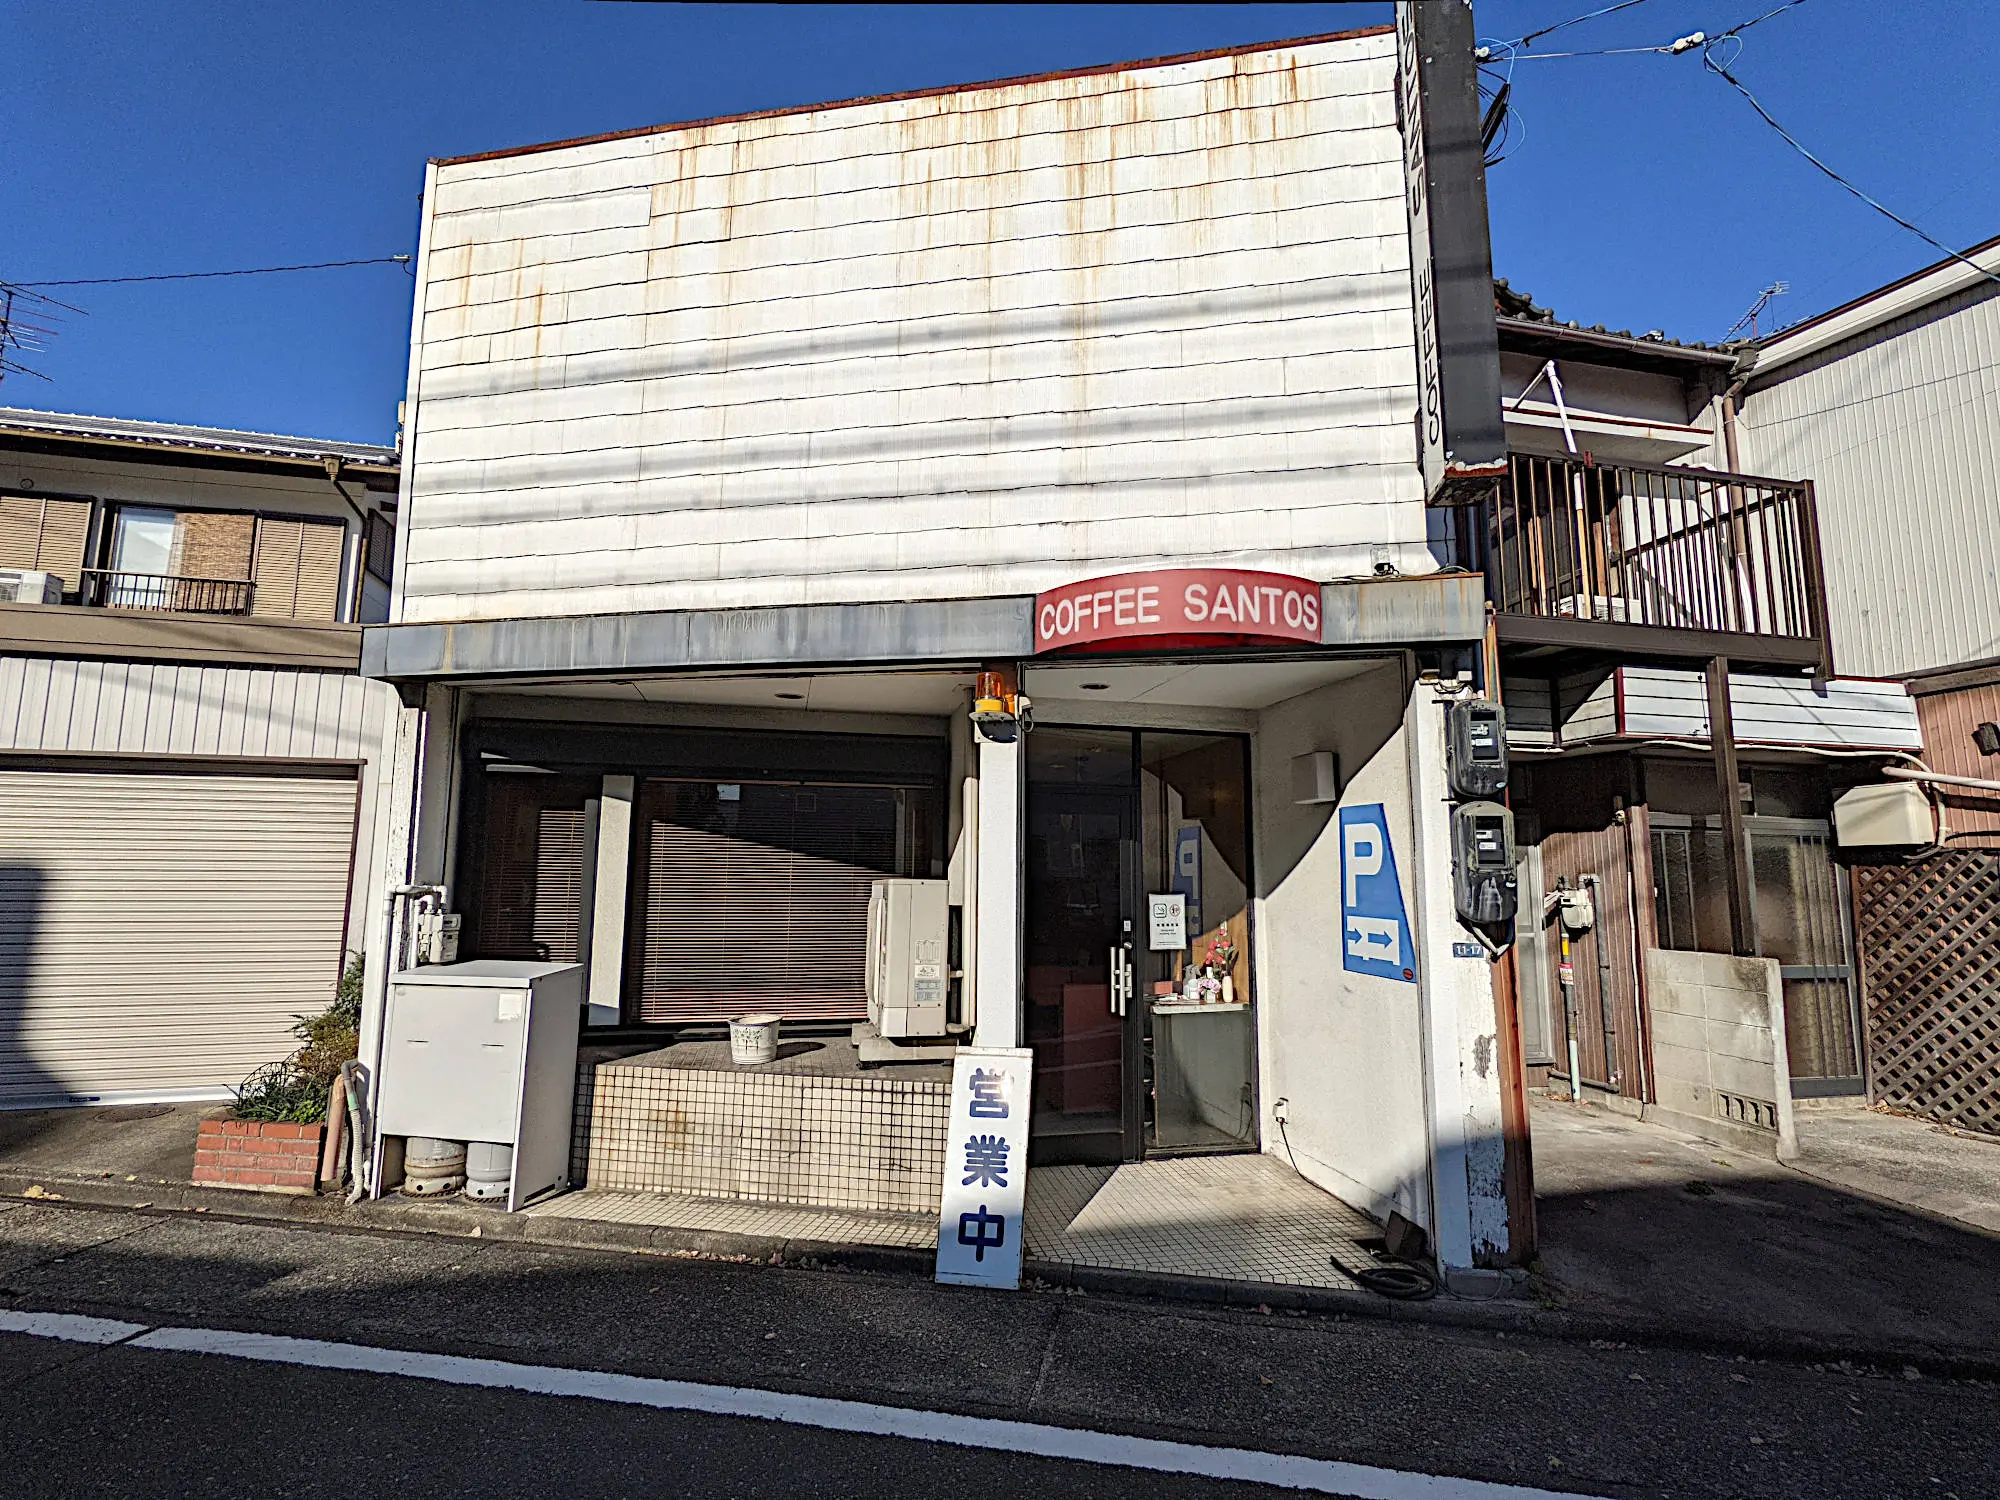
x=1523, y=41
x=1721, y=70
x=1406, y=1281
x=324, y=265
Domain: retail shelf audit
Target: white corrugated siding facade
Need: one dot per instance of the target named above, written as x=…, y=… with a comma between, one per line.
x=1899, y=429
x=973, y=343
x=156, y=708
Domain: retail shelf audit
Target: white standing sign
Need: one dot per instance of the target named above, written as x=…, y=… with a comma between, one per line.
x=985, y=1168
x=1166, y=921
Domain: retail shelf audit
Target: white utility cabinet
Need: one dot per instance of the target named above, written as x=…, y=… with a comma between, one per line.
x=486, y=1051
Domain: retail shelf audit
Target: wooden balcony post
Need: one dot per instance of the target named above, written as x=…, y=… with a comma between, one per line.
x=1736, y=851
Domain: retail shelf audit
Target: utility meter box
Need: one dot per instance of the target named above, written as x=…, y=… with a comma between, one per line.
x=1574, y=909
x=437, y=936
x=1476, y=748
x=909, y=958
x=1894, y=814
x=1484, y=884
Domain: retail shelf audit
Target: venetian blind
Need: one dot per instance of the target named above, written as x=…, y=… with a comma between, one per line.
x=39, y=533
x=759, y=902
x=532, y=880
x=298, y=569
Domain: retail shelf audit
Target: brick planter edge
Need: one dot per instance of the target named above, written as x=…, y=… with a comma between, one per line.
x=262, y=1156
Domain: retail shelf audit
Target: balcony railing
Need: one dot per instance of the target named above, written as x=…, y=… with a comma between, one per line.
x=168, y=592
x=1704, y=562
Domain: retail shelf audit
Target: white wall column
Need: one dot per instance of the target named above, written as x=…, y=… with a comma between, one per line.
x=413, y=818
x=395, y=801
x=607, y=913
x=1460, y=1030
x=997, y=940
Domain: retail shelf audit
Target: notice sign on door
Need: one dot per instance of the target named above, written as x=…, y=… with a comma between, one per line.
x=1166, y=922
x=1374, y=929
x=985, y=1168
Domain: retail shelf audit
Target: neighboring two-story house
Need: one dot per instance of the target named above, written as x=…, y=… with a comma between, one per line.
x=1628, y=550
x=1890, y=404
x=185, y=746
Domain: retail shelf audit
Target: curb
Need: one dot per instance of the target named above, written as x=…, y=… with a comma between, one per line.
x=453, y=1220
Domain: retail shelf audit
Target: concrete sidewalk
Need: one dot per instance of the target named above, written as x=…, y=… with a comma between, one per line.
x=1756, y=1258
x=1934, y=1169
x=1642, y=1225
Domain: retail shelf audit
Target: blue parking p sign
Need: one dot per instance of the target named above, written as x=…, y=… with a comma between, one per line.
x=1374, y=929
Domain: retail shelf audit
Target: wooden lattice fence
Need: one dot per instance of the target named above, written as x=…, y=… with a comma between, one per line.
x=1930, y=963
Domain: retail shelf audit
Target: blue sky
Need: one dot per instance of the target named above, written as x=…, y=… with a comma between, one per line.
x=144, y=138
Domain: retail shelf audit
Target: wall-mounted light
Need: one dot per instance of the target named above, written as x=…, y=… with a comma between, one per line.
x=1987, y=738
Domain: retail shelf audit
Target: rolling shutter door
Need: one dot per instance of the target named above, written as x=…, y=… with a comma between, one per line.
x=759, y=903
x=159, y=933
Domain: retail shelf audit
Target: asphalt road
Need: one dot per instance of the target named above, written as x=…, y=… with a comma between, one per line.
x=1605, y=1420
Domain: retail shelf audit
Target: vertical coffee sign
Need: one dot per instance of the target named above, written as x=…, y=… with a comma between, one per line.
x=1461, y=437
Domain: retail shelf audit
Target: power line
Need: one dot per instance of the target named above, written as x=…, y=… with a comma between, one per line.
x=324, y=265
x=1744, y=26
x=1523, y=41
x=1721, y=71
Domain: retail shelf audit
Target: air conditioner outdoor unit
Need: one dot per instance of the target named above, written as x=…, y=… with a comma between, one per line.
x=29, y=586
x=909, y=959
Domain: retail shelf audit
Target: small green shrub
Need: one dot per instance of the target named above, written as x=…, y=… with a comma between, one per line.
x=294, y=1089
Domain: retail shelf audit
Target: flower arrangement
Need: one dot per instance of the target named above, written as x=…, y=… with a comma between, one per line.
x=1221, y=952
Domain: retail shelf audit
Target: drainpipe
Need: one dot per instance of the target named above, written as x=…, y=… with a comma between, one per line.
x=1739, y=376
x=351, y=611
x=1606, y=1015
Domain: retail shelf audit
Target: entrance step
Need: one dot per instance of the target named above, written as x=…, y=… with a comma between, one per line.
x=1232, y=1218
x=733, y=1216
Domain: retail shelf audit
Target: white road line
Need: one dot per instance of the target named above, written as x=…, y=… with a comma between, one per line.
x=1074, y=1445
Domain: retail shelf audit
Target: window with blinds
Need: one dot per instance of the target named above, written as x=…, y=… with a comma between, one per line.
x=533, y=877
x=378, y=551
x=298, y=569
x=753, y=896
x=37, y=533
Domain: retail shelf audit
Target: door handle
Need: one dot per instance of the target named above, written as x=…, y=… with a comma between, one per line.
x=1121, y=979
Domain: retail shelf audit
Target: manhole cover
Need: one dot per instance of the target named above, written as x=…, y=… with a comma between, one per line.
x=120, y=1113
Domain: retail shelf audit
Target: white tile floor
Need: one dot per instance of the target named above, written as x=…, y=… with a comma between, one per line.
x=1236, y=1218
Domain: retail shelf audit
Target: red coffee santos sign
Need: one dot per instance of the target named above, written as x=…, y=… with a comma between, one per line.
x=1179, y=603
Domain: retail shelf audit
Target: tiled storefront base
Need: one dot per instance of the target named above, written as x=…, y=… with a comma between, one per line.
x=855, y=1142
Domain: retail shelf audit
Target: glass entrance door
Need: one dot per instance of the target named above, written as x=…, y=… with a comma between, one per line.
x=1139, y=996
x=1197, y=1037
x=1082, y=857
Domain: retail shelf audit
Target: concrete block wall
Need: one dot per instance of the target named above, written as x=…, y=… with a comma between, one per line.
x=1720, y=1068
x=869, y=1144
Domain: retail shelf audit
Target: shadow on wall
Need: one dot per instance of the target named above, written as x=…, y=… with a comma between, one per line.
x=24, y=1083
x=1350, y=1060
